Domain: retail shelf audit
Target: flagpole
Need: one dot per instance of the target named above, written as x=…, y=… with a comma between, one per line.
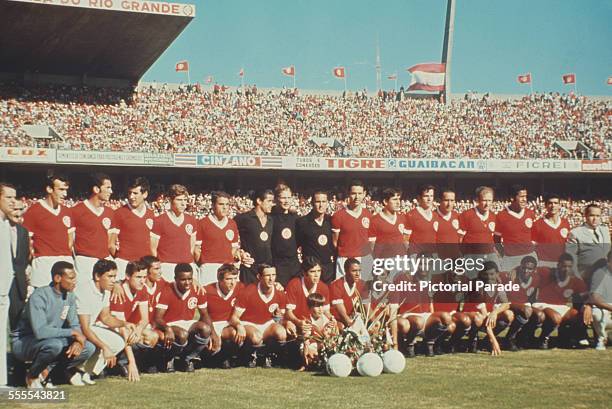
x=344, y=82
x=531, y=83
x=188, y=77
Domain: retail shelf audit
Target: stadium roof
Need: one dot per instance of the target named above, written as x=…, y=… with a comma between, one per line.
x=98, y=38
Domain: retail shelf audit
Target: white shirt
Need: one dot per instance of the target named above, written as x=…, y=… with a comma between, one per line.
x=6, y=259
x=90, y=301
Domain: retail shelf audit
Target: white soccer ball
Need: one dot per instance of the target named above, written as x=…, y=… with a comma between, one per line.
x=339, y=365
x=370, y=364
x=393, y=361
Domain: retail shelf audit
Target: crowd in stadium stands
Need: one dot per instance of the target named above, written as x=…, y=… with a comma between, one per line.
x=189, y=119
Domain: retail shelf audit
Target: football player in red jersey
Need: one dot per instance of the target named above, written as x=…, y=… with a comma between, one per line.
x=345, y=292
x=386, y=232
x=478, y=224
x=173, y=237
x=92, y=221
x=448, y=300
x=558, y=288
x=222, y=296
x=550, y=233
x=520, y=301
x=422, y=222
x=488, y=310
x=132, y=226
x=183, y=336
x=257, y=318
x=350, y=231
x=449, y=234
x=513, y=229
x=50, y=224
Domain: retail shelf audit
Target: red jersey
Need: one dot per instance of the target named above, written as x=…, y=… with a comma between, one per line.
x=129, y=309
x=527, y=289
x=220, y=306
x=174, y=235
x=515, y=231
x=180, y=307
x=416, y=302
x=218, y=239
x=153, y=295
x=479, y=230
x=258, y=308
x=477, y=298
x=341, y=293
x=550, y=238
x=352, y=227
x=388, y=235
x=49, y=229
x=448, y=301
x=422, y=226
x=91, y=229
x=297, y=294
x=449, y=235
x=551, y=291
x=134, y=232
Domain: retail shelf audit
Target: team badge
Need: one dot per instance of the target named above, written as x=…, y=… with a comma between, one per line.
x=66, y=221
x=106, y=223
x=492, y=226
x=191, y=304
x=263, y=236
x=568, y=293
x=272, y=308
x=528, y=222
x=435, y=226
x=189, y=228
x=455, y=224
x=322, y=240
x=65, y=310
x=229, y=234
x=365, y=222
x=564, y=232
x=286, y=233
x=149, y=223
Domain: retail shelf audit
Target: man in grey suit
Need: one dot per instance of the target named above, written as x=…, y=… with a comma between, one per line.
x=589, y=242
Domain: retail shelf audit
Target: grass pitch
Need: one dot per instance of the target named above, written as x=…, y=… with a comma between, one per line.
x=527, y=379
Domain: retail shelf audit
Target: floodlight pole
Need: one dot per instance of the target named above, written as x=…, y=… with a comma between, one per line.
x=447, y=49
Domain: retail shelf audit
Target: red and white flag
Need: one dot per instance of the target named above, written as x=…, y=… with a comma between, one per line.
x=569, y=78
x=289, y=71
x=339, y=72
x=524, y=79
x=241, y=73
x=392, y=77
x=209, y=79
x=182, y=66
x=609, y=80
x=427, y=77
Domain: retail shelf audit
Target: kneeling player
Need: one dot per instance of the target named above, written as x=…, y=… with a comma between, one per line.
x=448, y=301
x=256, y=318
x=221, y=299
x=489, y=311
x=181, y=335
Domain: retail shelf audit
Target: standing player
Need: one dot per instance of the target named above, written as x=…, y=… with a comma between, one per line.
x=50, y=225
x=257, y=317
x=478, y=224
x=513, y=229
x=182, y=335
x=550, y=233
x=350, y=231
x=173, y=237
x=422, y=223
x=449, y=234
x=92, y=221
x=284, y=245
x=314, y=236
x=221, y=297
x=255, y=229
x=220, y=240
x=131, y=232
x=386, y=232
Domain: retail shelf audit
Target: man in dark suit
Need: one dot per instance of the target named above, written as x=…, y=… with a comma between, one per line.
x=20, y=250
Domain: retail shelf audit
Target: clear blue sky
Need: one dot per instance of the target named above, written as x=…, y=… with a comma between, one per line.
x=494, y=42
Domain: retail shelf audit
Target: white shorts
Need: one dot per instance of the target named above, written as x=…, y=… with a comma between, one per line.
x=548, y=264
x=112, y=339
x=424, y=315
x=84, y=266
x=121, y=265
x=259, y=327
x=167, y=271
x=184, y=324
x=367, y=262
x=208, y=273
x=560, y=309
x=41, y=269
x=219, y=326
x=510, y=262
